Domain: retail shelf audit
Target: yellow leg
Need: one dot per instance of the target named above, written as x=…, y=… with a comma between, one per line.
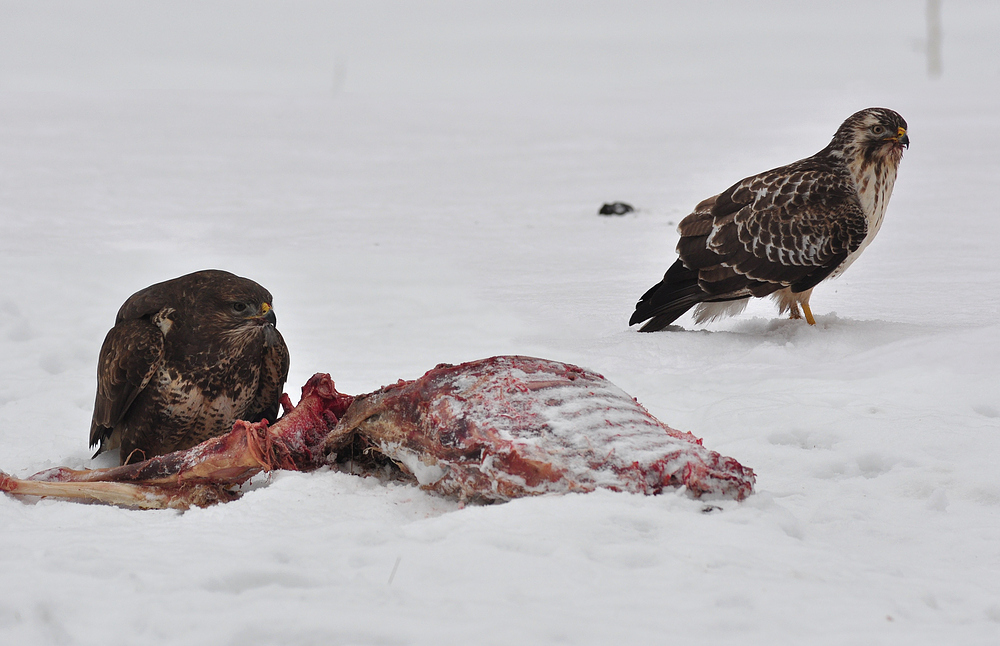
x=809, y=314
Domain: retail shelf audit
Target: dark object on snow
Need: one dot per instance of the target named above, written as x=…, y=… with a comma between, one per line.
x=616, y=208
x=186, y=358
x=782, y=232
x=489, y=430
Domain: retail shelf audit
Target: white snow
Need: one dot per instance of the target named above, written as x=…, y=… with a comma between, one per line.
x=418, y=183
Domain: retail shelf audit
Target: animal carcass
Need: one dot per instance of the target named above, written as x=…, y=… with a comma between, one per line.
x=487, y=430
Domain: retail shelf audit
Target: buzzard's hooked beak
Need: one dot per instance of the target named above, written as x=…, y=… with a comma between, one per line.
x=902, y=138
x=267, y=314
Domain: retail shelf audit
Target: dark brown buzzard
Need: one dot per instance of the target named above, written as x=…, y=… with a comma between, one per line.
x=185, y=359
x=782, y=232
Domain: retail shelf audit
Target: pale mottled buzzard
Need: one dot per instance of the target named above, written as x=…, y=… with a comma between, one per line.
x=782, y=232
x=185, y=359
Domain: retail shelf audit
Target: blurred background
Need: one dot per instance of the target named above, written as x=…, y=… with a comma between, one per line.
x=412, y=177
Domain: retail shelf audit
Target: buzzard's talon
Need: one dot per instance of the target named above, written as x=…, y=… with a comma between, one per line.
x=809, y=315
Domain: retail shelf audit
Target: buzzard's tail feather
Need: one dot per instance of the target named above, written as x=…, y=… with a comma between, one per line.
x=666, y=301
x=104, y=438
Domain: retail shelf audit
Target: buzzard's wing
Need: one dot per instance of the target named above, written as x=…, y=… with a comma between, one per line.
x=151, y=300
x=790, y=227
x=130, y=356
x=273, y=373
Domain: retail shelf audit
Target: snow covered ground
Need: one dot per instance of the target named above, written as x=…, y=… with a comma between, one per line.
x=419, y=183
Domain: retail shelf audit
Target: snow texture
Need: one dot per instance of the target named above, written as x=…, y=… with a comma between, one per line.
x=418, y=183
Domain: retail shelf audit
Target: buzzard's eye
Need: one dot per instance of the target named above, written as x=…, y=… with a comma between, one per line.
x=239, y=307
x=877, y=129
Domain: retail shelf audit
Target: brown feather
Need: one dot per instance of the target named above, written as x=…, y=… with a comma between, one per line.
x=789, y=227
x=187, y=357
x=130, y=356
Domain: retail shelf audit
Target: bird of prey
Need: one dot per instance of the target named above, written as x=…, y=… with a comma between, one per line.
x=185, y=359
x=783, y=231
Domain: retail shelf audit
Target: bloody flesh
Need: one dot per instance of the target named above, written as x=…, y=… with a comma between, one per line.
x=489, y=430
x=204, y=474
x=506, y=427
